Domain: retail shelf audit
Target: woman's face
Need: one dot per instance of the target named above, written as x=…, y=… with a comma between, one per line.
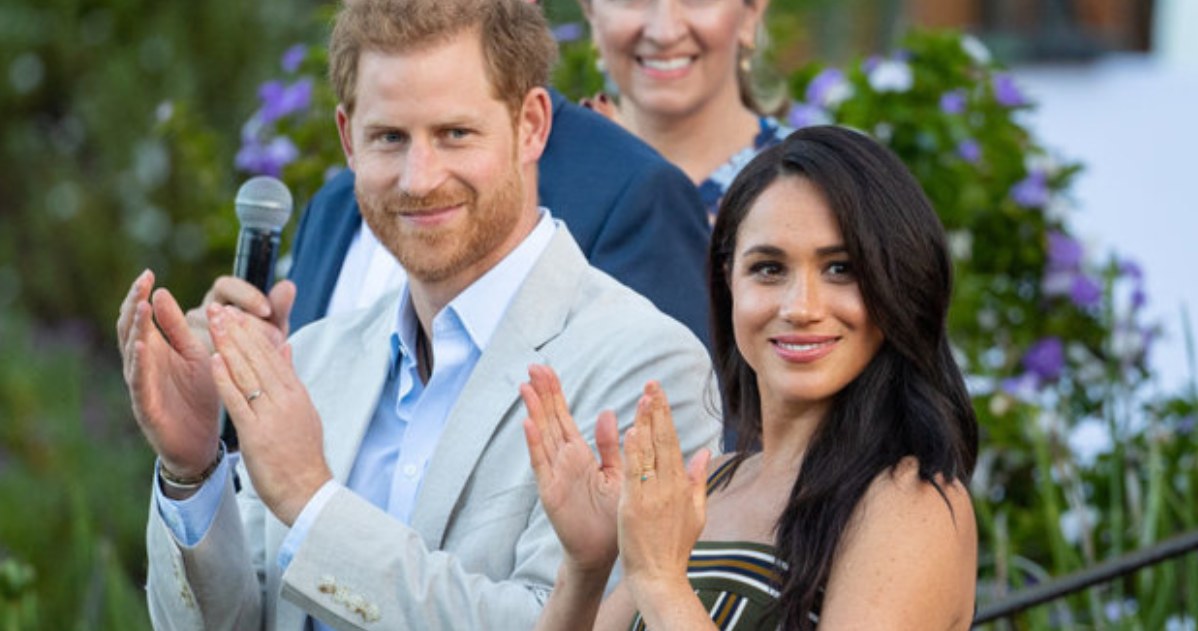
x=798, y=315
x=672, y=57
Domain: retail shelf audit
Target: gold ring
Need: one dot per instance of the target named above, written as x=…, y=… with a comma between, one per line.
x=645, y=475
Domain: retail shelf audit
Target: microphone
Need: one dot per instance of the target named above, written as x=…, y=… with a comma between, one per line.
x=263, y=207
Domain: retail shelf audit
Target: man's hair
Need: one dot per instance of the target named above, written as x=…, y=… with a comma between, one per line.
x=517, y=46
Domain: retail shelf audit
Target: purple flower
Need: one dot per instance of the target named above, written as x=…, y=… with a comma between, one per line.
x=279, y=100
x=1138, y=298
x=1131, y=269
x=1085, y=291
x=1022, y=387
x=568, y=32
x=805, y=115
x=1045, y=359
x=970, y=151
x=1185, y=425
x=1031, y=191
x=1006, y=92
x=829, y=88
x=294, y=57
x=953, y=101
x=871, y=63
x=1064, y=252
x=266, y=159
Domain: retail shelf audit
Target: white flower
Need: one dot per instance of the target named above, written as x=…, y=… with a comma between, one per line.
x=883, y=132
x=980, y=385
x=976, y=49
x=838, y=94
x=891, y=75
x=1059, y=208
x=1180, y=623
x=1041, y=162
x=1000, y=404
x=164, y=111
x=1050, y=422
x=987, y=318
x=1057, y=283
x=960, y=243
x=1116, y=611
x=1075, y=522
x=1127, y=342
x=1090, y=439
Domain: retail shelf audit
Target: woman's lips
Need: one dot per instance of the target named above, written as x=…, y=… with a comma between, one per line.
x=805, y=349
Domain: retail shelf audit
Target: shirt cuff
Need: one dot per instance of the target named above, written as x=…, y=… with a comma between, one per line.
x=190, y=519
x=299, y=530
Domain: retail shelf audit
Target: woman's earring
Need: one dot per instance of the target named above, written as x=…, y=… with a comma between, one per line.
x=600, y=65
x=746, y=56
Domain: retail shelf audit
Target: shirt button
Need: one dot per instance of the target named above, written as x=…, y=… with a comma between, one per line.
x=409, y=470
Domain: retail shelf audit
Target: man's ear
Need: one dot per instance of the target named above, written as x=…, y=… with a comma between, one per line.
x=346, y=133
x=533, y=125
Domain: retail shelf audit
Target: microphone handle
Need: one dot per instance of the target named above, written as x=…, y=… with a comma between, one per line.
x=257, y=249
x=256, y=253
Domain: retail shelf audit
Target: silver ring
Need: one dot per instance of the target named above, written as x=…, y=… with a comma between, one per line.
x=249, y=398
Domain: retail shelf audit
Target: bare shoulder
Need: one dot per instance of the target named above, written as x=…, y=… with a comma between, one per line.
x=908, y=557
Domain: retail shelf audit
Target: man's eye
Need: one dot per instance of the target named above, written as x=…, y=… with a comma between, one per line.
x=457, y=133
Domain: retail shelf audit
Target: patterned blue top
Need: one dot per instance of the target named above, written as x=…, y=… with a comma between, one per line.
x=711, y=191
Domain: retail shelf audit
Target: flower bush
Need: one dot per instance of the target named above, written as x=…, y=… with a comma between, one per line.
x=1080, y=459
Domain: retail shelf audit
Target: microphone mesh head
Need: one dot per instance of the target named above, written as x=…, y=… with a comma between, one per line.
x=263, y=203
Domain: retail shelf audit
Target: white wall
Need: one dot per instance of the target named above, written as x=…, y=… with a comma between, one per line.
x=1176, y=32
x=1133, y=121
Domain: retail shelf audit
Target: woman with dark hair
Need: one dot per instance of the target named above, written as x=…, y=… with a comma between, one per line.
x=846, y=503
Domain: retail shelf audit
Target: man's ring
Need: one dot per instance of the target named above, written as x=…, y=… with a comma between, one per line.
x=249, y=398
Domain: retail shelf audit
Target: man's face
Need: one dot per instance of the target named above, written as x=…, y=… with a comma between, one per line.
x=437, y=161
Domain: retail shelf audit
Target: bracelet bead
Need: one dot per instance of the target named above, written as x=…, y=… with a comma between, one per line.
x=191, y=482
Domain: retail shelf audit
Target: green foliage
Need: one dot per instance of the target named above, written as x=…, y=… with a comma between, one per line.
x=74, y=486
x=111, y=164
x=90, y=190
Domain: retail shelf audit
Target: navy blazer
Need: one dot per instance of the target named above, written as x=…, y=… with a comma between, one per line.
x=634, y=215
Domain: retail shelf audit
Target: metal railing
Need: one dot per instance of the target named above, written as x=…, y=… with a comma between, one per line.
x=1101, y=573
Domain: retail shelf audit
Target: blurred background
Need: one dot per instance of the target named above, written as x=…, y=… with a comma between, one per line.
x=126, y=127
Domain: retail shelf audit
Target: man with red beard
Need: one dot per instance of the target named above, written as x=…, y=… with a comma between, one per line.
x=386, y=481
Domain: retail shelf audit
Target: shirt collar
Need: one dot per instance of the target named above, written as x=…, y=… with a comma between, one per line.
x=480, y=307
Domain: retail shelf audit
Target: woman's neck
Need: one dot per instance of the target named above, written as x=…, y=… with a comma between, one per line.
x=786, y=432
x=697, y=142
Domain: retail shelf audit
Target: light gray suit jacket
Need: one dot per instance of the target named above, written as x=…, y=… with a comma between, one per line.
x=480, y=552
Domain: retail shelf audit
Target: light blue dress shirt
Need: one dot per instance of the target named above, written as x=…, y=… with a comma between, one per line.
x=410, y=415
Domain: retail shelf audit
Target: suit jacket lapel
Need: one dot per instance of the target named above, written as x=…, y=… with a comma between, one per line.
x=536, y=315
x=353, y=382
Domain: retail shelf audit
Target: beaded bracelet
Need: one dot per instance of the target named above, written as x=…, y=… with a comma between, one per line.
x=192, y=482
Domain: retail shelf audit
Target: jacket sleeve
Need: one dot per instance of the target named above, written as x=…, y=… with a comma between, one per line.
x=217, y=584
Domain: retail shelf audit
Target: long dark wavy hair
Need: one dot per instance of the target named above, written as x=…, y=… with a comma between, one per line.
x=910, y=400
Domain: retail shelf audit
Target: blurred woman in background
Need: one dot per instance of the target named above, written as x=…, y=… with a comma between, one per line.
x=683, y=69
